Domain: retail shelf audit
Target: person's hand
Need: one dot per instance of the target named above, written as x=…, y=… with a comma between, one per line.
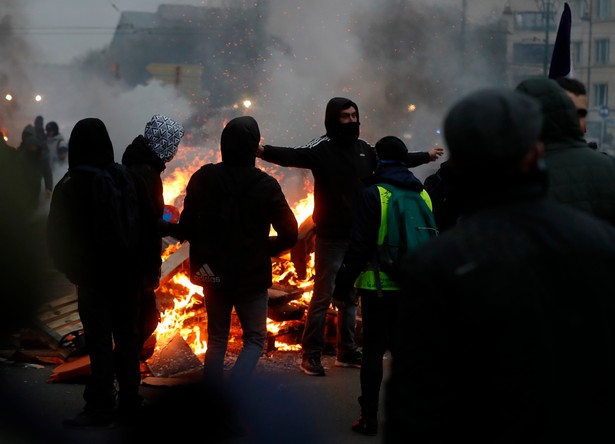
x=435, y=152
x=259, y=150
x=48, y=194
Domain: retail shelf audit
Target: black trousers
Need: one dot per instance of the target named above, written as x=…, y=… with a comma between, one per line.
x=109, y=315
x=379, y=318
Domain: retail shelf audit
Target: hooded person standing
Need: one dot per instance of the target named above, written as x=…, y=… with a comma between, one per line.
x=339, y=162
x=146, y=158
x=229, y=210
x=505, y=320
x=84, y=246
x=579, y=177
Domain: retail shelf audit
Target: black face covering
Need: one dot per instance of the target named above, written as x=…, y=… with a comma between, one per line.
x=345, y=133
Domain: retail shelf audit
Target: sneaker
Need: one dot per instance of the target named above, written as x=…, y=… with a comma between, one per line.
x=312, y=367
x=365, y=427
x=350, y=359
x=90, y=418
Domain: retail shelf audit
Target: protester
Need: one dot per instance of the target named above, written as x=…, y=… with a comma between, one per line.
x=339, y=161
x=35, y=163
x=442, y=191
x=578, y=94
x=146, y=158
x=56, y=145
x=379, y=294
x=107, y=284
x=506, y=320
x=228, y=212
x=577, y=176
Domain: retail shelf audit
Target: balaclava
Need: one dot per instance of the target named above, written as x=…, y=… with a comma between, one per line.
x=163, y=135
x=341, y=133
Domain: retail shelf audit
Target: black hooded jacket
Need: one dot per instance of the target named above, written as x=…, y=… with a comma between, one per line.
x=228, y=212
x=578, y=175
x=338, y=166
x=72, y=236
x=145, y=167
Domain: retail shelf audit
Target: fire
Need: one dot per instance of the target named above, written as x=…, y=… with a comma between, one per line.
x=186, y=315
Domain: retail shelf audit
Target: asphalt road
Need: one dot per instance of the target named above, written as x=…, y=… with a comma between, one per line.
x=285, y=406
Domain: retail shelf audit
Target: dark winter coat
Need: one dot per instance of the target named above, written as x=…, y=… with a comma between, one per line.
x=339, y=171
x=578, y=176
x=71, y=234
x=366, y=223
x=145, y=167
x=229, y=210
x=508, y=320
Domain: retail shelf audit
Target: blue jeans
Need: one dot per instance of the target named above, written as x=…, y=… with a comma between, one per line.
x=251, y=310
x=328, y=258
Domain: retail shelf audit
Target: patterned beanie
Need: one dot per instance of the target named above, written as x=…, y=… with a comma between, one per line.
x=163, y=136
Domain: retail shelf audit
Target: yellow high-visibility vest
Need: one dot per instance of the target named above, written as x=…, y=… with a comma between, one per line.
x=367, y=279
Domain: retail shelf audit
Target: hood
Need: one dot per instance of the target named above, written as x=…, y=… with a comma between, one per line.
x=140, y=152
x=561, y=121
x=490, y=131
x=30, y=142
x=341, y=133
x=239, y=141
x=89, y=144
x=395, y=174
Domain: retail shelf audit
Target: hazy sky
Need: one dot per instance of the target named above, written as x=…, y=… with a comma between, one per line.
x=60, y=30
x=384, y=58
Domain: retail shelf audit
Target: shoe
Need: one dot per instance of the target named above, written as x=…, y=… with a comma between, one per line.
x=365, y=427
x=350, y=359
x=312, y=367
x=90, y=418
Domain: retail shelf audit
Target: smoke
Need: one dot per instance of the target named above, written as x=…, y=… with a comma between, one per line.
x=402, y=62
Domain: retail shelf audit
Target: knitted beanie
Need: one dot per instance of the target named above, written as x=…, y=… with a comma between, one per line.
x=163, y=135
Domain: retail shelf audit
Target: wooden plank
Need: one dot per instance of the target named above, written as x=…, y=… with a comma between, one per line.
x=58, y=312
x=174, y=262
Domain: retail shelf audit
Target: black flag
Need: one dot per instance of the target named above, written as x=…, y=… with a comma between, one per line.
x=561, y=65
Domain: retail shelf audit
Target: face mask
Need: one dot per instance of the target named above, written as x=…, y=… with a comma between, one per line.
x=346, y=133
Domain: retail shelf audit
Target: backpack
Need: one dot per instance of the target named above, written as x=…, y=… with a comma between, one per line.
x=116, y=214
x=409, y=223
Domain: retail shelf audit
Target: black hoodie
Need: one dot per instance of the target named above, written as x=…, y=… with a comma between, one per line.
x=228, y=212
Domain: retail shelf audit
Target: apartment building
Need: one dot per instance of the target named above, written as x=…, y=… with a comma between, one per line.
x=532, y=28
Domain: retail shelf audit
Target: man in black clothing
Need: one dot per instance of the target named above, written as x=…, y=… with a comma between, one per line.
x=146, y=158
x=339, y=162
x=108, y=305
x=229, y=210
x=506, y=320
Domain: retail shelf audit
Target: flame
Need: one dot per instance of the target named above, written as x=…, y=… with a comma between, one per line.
x=187, y=304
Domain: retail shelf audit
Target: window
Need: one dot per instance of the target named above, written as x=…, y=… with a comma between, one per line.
x=534, y=21
x=530, y=53
x=601, y=94
x=603, y=9
x=602, y=51
x=575, y=53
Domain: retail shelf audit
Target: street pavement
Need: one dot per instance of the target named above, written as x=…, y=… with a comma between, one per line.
x=283, y=406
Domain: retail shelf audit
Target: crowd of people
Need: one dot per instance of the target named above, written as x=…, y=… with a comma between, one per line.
x=500, y=328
